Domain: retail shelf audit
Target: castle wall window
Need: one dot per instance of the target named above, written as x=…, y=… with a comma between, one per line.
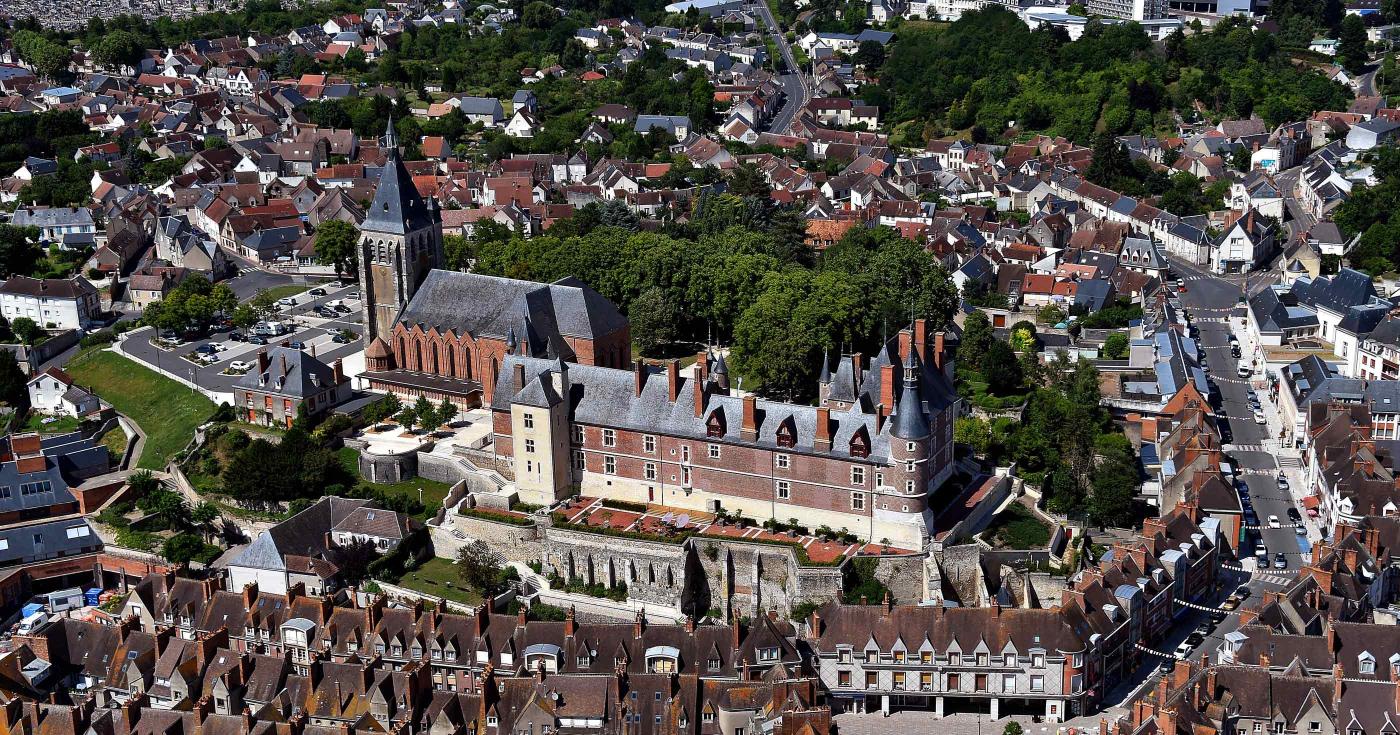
x=610, y=465
x=649, y=471
x=857, y=475
x=649, y=444
x=857, y=501
x=577, y=432
x=529, y=420
x=609, y=438
x=783, y=461
x=784, y=489
x=714, y=451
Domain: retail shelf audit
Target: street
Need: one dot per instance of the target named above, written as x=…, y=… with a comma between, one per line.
x=793, y=81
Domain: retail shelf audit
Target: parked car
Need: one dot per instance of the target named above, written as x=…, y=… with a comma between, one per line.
x=1280, y=561
x=1294, y=515
x=342, y=308
x=1231, y=603
x=286, y=301
x=1282, y=482
x=209, y=348
x=240, y=365
x=317, y=292
x=1262, y=551
x=257, y=339
x=1259, y=417
x=1195, y=639
x=341, y=338
x=297, y=344
x=1205, y=629
x=237, y=336
x=1243, y=371
x=1218, y=616
x=1183, y=650
x=1273, y=521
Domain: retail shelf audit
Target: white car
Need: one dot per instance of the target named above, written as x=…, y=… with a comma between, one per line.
x=1183, y=650
x=240, y=365
x=1273, y=522
x=1243, y=372
x=1259, y=418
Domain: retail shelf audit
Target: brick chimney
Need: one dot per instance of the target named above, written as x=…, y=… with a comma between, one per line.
x=519, y=377
x=1336, y=684
x=822, y=438
x=939, y=347
x=262, y=361
x=673, y=380
x=639, y=624
x=250, y=593
x=639, y=376
x=814, y=625
x=689, y=624
x=702, y=361
x=921, y=339
x=857, y=367
x=698, y=376
x=338, y=371
x=748, y=429
x=569, y=625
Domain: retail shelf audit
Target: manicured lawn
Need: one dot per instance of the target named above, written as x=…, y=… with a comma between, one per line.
x=439, y=577
x=291, y=289
x=433, y=491
x=1018, y=528
x=165, y=410
x=59, y=425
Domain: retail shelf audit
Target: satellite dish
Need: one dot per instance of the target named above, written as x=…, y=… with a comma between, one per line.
x=682, y=520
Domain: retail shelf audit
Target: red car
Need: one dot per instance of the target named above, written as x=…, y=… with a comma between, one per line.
x=1181, y=288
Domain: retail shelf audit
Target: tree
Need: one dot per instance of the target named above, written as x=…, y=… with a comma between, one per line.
x=1116, y=346
x=182, y=548
x=653, y=319
x=1351, y=44
x=446, y=411
x=118, y=48
x=426, y=413
x=14, y=389
x=1241, y=159
x=748, y=181
x=977, y=338
x=481, y=568
x=1012, y=728
x=203, y=517
x=167, y=507
x=407, y=418
x=457, y=251
x=974, y=432
x=26, y=329
x=1001, y=369
x=355, y=559
x=1022, y=338
x=870, y=54
x=19, y=250
x=1078, y=9
x=1114, y=482
x=336, y=244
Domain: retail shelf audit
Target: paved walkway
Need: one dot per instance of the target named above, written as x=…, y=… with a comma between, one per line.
x=962, y=723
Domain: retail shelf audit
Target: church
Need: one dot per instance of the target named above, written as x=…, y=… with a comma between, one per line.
x=572, y=412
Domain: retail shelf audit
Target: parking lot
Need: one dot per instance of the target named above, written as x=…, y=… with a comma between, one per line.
x=315, y=333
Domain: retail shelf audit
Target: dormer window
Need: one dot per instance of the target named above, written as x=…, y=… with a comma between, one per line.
x=767, y=654
x=713, y=663
x=1366, y=663
x=860, y=444
x=787, y=436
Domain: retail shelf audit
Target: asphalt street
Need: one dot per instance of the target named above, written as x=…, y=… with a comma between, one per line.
x=793, y=82
x=313, y=331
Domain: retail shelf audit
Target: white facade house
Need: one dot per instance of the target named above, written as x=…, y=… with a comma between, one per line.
x=54, y=223
x=53, y=303
x=53, y=392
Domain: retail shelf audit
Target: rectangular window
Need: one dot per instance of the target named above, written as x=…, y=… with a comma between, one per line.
x=784, y=490
x=981, y=683
x=579, y=463
x=649, y=472
x=577, y=432
x=843, y=678
x=529, y=446
x=1010, y=659
x=955, y=659
x=649, y=444
x=609, y=438
x=1008, y=683
x=925, y=657
x=872, y=680
x=857, y=475
x=1037, y=683
x=857, y=501
x=685, y=452
x=783, y=461
x=954, y=683
x=529, y=421
x=714, y=451
x=685, y=476
x=610, y=465
x=1038, y=661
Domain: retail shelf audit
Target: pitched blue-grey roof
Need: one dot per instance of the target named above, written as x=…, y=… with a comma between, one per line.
x=536, y=311
x=398, y=208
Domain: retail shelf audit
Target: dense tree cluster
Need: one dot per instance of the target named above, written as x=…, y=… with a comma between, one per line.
x=1370, y=212
x=989, y=69
x=740, y=272
x=192, y=306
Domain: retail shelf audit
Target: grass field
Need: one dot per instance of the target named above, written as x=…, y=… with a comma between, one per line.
x=439, y=577
x=63, y=425
x=165, y=410
x=433, y=491
x=115, y=441
x=1018, y=528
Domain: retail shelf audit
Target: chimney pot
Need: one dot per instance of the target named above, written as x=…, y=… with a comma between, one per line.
x=673, y=380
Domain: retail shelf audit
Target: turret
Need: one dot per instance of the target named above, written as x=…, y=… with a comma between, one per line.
x=720, y=374
x=824, y=380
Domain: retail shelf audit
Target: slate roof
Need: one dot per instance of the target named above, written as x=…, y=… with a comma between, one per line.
x=303, y=534
x=289, y=373
x=538, y=313
x=397, y=208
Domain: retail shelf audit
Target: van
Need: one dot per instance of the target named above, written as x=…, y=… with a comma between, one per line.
x=69, y=599
x=269, y=329
x=32, y=623
x=1243, y=371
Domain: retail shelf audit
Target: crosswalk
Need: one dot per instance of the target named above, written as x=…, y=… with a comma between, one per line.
x=1287, y=462
x=1249, y=448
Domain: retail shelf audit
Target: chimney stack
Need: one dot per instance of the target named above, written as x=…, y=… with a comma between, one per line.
x=338, y=370
x=569, y=625
x=262, y=360
x=822, y=438
x=698, y=376
x=673, y=380
x=857, y=366
x=938, y=349
x=639, y=376
x=702, y=361
x=748, y=430
x=519, y=377
x=921, y=339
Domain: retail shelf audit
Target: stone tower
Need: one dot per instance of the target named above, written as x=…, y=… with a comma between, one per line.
x=400, y=241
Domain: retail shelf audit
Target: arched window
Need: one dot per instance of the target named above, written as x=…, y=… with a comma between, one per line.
x=466, y=362
x=403, y=352
x=437, y=366
x=451, y=371
x=418, y=355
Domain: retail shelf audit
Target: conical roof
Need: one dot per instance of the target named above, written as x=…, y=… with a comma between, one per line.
x=910, y=421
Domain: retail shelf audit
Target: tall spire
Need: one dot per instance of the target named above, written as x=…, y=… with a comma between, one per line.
x=391, y=139
x=909, y=419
